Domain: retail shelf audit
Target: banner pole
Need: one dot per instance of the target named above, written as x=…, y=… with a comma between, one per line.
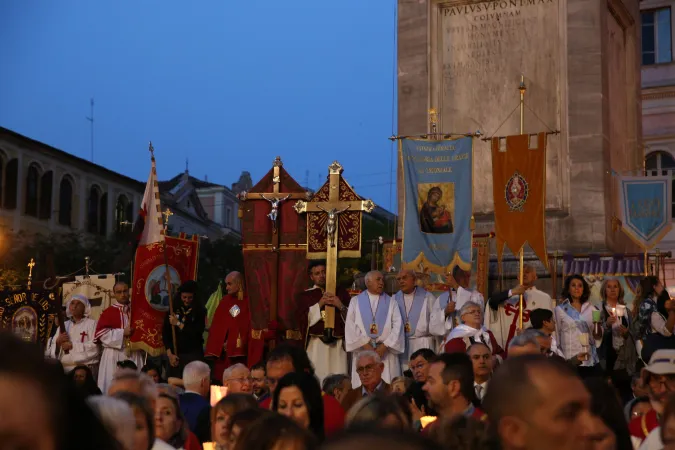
x=167, y=276
x=646, y=263
x=522, y=90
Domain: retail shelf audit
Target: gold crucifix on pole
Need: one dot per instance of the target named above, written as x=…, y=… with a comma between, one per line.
x=341, y=199
x=31, y=264
x=521, y=255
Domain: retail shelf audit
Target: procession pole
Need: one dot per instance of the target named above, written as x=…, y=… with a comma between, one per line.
x=522, y=90
x=167, y=213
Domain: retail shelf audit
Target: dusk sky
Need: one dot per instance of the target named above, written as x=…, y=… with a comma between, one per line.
x=227, y=84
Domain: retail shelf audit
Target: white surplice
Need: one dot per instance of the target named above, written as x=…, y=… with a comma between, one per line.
x=504, y=321
x=112, y=341
x=84, y=351
x=356, y=336
x=440, y=323
x=423, y=336
x=327, y=359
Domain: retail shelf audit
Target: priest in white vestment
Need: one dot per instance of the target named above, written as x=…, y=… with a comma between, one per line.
x=502, y=316
x=448, y=304
x=324, y=349
x=76, y=346
x=415, y=305
x=374, y=323
x=112, y=332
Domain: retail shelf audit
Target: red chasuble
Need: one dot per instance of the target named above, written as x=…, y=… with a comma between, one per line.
x=311, y=297
x=333, y=413
x=232, y=323
x=640, y=427
x=459, y=345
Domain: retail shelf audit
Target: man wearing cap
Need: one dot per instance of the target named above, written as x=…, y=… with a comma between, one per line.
x=76, y=346
x=659, y=378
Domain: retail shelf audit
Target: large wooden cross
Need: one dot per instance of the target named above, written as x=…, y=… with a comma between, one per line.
x=332, y=209
x=275, y=198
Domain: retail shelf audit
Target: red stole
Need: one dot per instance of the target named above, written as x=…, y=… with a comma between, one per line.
x=229, y=325
x=112, y=318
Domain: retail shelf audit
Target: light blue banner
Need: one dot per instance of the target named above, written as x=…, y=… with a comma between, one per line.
x=438, y=206
x=646, y=208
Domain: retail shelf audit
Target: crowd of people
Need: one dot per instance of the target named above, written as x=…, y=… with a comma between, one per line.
x=408, y=371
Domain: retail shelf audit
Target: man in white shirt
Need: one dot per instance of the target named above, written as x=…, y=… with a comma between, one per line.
x=415, y=305
x=374, y=323
x=444, y=316
x=76, y=346
x=481, y=358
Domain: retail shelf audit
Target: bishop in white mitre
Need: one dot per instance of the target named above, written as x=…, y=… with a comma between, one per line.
x=415, y=305
x=113, y=331
x=76, y=346
x=374, y=323
x=446, y=309
x=502, y=316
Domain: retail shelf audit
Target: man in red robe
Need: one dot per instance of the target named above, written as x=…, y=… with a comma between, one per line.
x=287, y=358
x=230, y=328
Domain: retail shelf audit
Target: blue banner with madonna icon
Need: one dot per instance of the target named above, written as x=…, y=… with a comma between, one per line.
x=438, y=204
x=645, y=209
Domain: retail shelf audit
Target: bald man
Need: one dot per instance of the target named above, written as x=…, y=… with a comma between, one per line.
x=415, y=305
x=231, y=327
x=374, y=323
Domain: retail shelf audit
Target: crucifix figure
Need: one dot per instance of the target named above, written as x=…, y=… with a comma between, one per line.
x=31, y=264
x=332, y=209
x=331, y=223
x=167, y=213
x=274, y=202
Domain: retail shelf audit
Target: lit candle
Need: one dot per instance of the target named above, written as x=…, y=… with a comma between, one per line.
x=613, y=311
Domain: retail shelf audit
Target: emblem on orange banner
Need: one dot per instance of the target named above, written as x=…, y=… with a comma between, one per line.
x=516, y=192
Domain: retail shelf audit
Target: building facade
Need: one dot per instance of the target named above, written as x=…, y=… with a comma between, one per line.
x=658, y=101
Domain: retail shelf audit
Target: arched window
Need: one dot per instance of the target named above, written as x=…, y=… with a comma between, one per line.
x=9, y=188
x=660, y=163
x=45, y=212
x=122, y=219
x=93, y=209
x=103, y=216
x=66, y=202
x=32, y=190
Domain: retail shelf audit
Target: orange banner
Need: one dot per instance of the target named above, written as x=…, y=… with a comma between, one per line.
x=519, y=191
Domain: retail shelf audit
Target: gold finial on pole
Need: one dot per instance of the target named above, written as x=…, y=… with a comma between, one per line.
x=167, y=213
x=433, y=120
x=522, y=90
x=31, y=264
x=152, y=150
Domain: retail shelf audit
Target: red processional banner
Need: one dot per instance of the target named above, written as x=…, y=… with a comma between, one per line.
x=150, y=290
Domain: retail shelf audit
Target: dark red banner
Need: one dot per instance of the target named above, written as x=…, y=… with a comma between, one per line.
x=150, y=290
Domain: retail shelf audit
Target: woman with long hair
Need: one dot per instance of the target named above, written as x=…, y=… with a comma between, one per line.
x=617, y=350
x=83, y=380
x=227, y=407
x=170, y=425
x=298, y=396
x=574, y=323
x=144, y=432
x=654, y=313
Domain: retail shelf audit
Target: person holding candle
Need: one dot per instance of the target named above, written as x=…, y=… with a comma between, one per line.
x=617, y=352
x=577, y=322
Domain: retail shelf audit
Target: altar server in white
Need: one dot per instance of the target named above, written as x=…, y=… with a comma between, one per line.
x=374, y=323
x=112, y=332
x=502, y=316
x=415, y=305
x=76, y=346
x=445, y=310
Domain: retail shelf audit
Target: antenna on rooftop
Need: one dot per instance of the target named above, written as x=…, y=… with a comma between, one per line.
x=91, y=120
x=306, y=179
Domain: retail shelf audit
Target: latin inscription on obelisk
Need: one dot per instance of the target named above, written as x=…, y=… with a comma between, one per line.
x=479, y=51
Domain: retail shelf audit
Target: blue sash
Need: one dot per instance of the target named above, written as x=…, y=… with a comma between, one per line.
x=444, y=299
x=415, y=309
x=367, y=313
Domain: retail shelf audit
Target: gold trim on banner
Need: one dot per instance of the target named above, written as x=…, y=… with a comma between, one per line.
x=456, y=260
x=294, y=335
x=656, y=240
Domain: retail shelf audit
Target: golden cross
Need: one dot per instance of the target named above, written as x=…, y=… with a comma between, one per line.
x=167, y=213
x=333, y=207
x=31, y=264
